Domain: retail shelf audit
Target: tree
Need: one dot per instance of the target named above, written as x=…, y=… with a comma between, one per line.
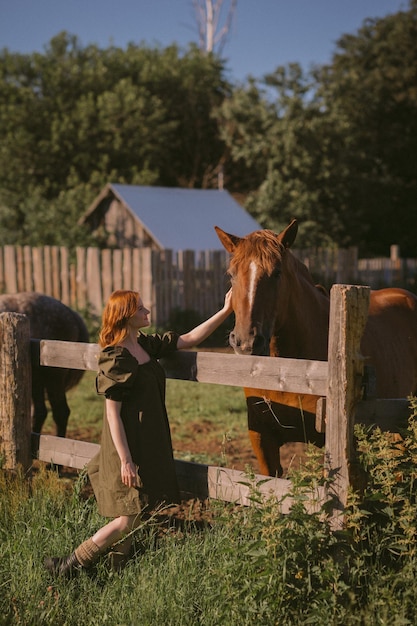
x=335, y=148
x=213, y=26
x=76, y=118
x=370, y=91
x=280, y=141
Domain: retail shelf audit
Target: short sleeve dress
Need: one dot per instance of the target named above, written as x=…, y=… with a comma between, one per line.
x=141, y=390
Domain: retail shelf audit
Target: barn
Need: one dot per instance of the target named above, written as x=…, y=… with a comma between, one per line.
x=165, y=218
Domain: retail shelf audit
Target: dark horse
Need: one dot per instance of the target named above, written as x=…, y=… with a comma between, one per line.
x=281, y=312
x=49, y=319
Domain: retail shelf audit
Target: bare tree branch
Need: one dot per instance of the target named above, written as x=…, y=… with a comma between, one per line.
x=213, y=28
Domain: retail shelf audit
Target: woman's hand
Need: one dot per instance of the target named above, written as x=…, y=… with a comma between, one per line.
x=128, y=474
x=228, y=301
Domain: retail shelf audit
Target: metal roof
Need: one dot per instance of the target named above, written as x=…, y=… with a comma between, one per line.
x=184, y=219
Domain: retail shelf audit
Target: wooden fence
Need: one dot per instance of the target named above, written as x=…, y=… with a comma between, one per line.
x=171, y=280
x=339, y=382
x=167, y=281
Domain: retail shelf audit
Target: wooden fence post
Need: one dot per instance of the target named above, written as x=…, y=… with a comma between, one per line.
x=349, y=306
x=15, y=391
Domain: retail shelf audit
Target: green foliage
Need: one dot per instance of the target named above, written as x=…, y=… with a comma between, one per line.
x=369, y=92
x=36, y=221
x=293, y=144
x=76, y=118
x=251, y=565
x=286, y=563
x=330, y=147
x=389, y=500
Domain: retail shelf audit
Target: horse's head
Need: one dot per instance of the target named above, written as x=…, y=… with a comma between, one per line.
x=256, y=271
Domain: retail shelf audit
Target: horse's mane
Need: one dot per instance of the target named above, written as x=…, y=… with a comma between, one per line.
x=266, y=249
x=262, y=246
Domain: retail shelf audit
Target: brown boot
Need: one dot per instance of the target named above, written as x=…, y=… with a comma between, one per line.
x=66, y=566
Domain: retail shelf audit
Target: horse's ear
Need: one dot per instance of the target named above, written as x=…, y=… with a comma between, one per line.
x=229, y=241
x=287, y=237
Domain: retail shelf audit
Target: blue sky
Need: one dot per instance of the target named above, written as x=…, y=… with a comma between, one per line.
x=266, y=33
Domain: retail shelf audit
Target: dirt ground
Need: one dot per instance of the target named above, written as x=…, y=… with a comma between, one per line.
x=237, y=454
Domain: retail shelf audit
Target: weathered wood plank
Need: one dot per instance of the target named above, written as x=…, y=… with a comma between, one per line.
x=321, y=415
x=146, y=281
x=2, y=272
x=300, y=376
x=27, y=255
x=127, y=268
x=106, y=273
x=47, y=268
x=20, y=267
x=136, y=269
x=227, y=485
x=78, y=356
x=348, y=314
x=55, y=271
x=15, y=387
x=63, y=451
x=10, y=274
x=37, y=265
x=64, y=275
x=81, y=280
x=117, y=270
x=94, y=293
x=296, y=375
x=195, y=480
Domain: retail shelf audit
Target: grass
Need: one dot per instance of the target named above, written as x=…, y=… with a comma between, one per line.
x=248, y=566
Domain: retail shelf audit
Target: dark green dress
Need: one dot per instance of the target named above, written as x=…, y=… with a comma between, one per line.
x=141, y=390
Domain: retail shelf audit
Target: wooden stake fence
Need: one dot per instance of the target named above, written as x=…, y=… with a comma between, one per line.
x=170, y=280
x=339, y=381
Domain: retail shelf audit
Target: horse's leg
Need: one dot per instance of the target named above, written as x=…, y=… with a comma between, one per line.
x=266, y=452
x=38, y=398
x=263, y=437
x=56, y=395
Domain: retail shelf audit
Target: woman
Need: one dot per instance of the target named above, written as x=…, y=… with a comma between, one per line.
x=135, y=466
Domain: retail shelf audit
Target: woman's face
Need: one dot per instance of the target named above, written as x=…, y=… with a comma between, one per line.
x=140, y=318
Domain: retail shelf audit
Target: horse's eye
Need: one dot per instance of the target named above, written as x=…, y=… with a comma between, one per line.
x=276, y=273
x=231, y=275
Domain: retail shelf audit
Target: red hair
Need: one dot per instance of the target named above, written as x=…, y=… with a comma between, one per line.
x=120, y=307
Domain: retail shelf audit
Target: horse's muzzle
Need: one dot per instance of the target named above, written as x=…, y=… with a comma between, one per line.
x=251, y=344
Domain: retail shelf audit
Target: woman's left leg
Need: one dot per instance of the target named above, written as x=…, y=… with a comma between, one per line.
x=88, y=552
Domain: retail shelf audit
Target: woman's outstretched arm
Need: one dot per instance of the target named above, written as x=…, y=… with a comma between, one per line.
x=205, y=329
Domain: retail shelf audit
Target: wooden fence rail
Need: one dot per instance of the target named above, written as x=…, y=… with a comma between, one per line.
x=339, y=381
x=170, y=280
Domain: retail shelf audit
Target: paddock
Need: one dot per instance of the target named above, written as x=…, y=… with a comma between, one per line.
x=343, y=383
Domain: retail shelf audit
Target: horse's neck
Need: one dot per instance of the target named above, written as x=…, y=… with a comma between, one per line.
x=302, y=331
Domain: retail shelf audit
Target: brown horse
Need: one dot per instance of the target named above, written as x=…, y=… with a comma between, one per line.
x=49, y=319
x=281, y=312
